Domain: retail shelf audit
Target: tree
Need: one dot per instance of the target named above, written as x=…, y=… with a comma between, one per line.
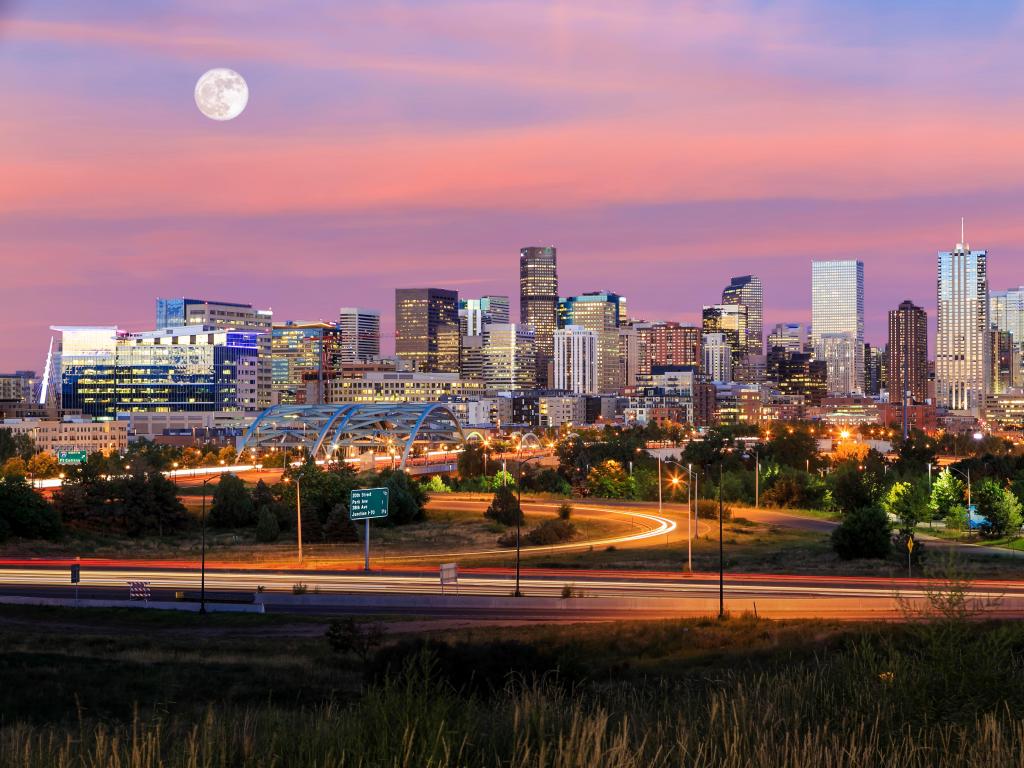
x=907, y=503
x=436, y=485
x=609, y=480
x=43, y=465
x=564, y=510
x=338, y=527
x=851, y=487
x=864, y=532
x=915, y=453
x=796, y=448
x=267, y=528
x=947, y=495
x=407, y=501
x=471, y=461
x=232, y=505
x=14, y=467
x=12, y=445
x=504, y=507
x=1000, y=508
x=25, y=513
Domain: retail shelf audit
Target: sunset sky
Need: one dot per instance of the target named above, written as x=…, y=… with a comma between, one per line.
x=663, y=147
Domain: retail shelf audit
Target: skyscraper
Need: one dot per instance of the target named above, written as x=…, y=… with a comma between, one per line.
x=509, y=356
x=746, y=290
x=360, y=334
x=576, y=360
x=474, y=314
x=301, y=353
x=538, y=300
x=601, y=312
x=908, y=353
x=718, y=355
x=837, y=308
x=730, y=320
x=789, y=336
x=426, y=320
x=963, y=367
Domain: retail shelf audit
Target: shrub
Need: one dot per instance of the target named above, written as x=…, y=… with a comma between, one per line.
x=436, y=484
x=338, y=527
x=863, y=533
x=348, y=636
x=707, y=509
x=564, y=510
x=1000, y=508
x=551, y=532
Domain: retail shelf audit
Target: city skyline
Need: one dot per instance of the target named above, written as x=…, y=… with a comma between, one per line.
x=808, y=146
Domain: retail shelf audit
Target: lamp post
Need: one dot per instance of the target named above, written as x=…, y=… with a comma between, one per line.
x=298, y=511
x=689, y=516
x=967, y=476
x=202, y=567
x=519, y=510
x=721, y=553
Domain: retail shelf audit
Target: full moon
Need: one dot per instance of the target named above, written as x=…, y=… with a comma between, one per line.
x=221, y=94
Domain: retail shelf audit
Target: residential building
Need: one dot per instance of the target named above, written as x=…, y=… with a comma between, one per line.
x=837, y=309
x=359, y=335
x=718, y=356
x=538, y=301
x=963, y=368
x=403, y=387
x=576, y=360
x=18, y=387
x=872, y=371
x=844, y=362
x=908, y=354
x=427, y=328
x=601, y=312
x=730, y=320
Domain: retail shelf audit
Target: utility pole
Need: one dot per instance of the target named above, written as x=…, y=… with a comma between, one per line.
x=721, y=553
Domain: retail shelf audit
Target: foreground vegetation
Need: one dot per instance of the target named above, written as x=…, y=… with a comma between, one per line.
x=137, y=691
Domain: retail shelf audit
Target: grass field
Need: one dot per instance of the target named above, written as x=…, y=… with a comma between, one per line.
x=133, y=690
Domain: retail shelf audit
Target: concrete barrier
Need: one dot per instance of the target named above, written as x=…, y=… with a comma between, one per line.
x=158, y=605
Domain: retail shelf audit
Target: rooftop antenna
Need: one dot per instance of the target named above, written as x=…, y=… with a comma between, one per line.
x=963, y=242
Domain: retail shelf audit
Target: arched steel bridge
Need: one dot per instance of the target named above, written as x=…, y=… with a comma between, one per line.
x=324, y=431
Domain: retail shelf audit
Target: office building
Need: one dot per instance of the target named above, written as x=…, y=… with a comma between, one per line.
x=359, y=335
x=509, y=357
x=746, y=291
x=303, y=352
x=797, y=373
x=19, y=387
x=576, y=357
x=427, y=329
x=474, y=314
x=837, y=309
x=538, y=301
x=730, y=320
x=963, y=368
x=907, y=366
x=844, y=361
x=791, y=337
x=1006, y=312
x=667, y=344
x=223, y=315
x=601, y=312
x=104, y=371
x=403, y=387
x=718, y=356
x=73, y=434
x=873, y=385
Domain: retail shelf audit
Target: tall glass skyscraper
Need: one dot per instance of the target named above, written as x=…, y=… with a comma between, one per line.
x=837, y=309
x=963, y=369
x=602, y=312
x=746, y=290
x=427, y=328
x=538, y=301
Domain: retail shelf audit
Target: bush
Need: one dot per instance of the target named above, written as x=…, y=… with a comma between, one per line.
x=267, y=528
x=436, y=484
x=1000, y=508
x=707, y=509
x=551, y=532
x=504, y=507
x=564, y=510
x=339, y=527
x=863, y=533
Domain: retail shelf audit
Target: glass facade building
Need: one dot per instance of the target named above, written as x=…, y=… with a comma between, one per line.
x=963, y=366
x=746, y=290
x=538, y=300
x=427, y=328
x=105, y=371
x=303, y=353
x=601, y=312
x=837, y=308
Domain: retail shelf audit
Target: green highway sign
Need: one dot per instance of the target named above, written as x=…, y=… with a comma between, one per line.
x=71, y=457
x=367, y=503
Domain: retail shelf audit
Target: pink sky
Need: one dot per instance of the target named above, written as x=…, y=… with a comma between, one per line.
x=663, y=147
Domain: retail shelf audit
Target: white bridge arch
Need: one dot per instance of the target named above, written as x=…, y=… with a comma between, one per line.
x=325, y=430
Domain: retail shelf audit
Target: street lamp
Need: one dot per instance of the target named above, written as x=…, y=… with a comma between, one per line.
x=202, y=567
x=966, y=475
x=298, y=510
x=689, y=514
x=519, y=510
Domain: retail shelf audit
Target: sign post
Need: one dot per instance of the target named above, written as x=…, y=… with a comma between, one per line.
x=449, y=576
x=367, y=504
x=76, y=576
x=910, y=551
